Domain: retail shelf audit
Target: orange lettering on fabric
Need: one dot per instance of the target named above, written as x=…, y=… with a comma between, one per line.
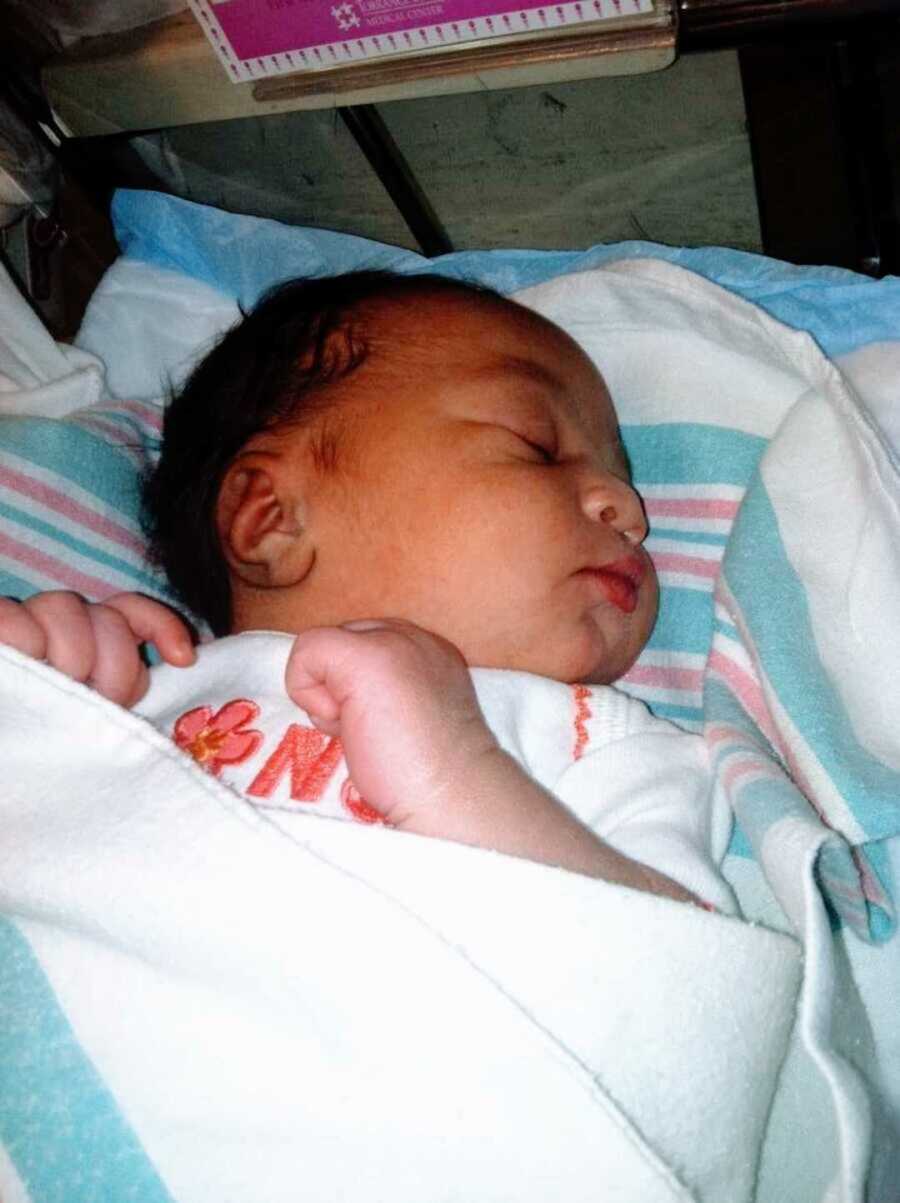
x=358, y=807
x=309, y=756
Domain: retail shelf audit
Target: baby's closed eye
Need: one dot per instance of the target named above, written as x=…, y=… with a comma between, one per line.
x=539, y=447
x=540, y=444
x=519, y=442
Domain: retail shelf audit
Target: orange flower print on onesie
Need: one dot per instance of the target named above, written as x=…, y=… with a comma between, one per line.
x=221, y=738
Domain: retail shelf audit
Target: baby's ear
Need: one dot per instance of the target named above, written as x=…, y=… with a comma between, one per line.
x=259, y=517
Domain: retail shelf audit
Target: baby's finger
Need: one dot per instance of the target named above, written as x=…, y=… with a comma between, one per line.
x=327, y=726
x=63, y=617
x=317, y=676
x=19, y=630
x=317, y=701
x=427, y=640
x=118, y=672
x=304, y=676
x=374, y=624
x=398, y=626
x=152, y=622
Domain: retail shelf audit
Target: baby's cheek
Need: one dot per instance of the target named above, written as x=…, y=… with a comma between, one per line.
x=650, y=604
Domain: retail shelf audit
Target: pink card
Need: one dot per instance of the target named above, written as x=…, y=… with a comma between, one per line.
x=258, y=38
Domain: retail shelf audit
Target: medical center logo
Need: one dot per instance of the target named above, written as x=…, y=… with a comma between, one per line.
x=345, y=15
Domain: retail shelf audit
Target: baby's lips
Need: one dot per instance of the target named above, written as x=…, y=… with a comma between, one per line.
x=618, y=590
x=620, y=581
x=632, y=568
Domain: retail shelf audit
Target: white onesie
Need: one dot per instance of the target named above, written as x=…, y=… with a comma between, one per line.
x=639, y=782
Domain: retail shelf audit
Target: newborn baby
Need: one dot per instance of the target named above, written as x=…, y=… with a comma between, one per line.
x=409, y=477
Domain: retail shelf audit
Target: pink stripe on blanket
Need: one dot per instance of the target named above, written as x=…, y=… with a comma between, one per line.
x=54, y=499
x=748, y=691
x=148, y=415
x=752, y=769
x=667, y=561
x=871, y=886
x=745, y=759
x=660, y=676
x=63, y=574
x=725, y=733
x=116, y=434
x=848, y=891
x=691, y=507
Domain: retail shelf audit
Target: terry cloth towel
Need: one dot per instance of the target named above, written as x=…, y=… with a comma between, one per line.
x=198, y=1005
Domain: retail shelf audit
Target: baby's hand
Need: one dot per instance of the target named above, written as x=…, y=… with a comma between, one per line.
x=402, y=703
x=96, y=643
x=419, y=751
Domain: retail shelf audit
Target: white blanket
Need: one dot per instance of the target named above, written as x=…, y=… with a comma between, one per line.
x=37, y=375
x=228, y=1013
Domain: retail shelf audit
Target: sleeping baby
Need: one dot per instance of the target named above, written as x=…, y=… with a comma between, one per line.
x=372, y=485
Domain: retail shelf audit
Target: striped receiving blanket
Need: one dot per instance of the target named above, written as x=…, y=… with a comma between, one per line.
x=69, y=499
x=802, y=685
x=774, y=508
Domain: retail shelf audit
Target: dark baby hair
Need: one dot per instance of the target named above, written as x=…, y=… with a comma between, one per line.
x=274, y=367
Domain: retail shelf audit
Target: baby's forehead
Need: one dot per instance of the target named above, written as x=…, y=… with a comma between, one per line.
x=432, y=312
x=489, y=333
x=482, y=357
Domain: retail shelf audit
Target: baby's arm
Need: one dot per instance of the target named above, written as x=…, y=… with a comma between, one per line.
x=97, y=643
x=418, y=750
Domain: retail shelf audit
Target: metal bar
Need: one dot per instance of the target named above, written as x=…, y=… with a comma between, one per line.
x=386, y=159
x=560, y=49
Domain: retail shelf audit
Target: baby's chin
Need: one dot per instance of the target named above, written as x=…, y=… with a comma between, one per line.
x=587, y=654
x=602, y=669
x=584, y=669
x=604, y=674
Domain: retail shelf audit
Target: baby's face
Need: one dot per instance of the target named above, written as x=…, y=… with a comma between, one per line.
x=481, y=491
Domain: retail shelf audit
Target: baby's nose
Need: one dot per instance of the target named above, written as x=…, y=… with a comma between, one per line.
x=615, y=503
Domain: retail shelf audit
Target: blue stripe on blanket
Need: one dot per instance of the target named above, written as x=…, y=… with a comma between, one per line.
x=11, y=584
x=684, y=622
x=728, y=629
x=691, y=453
x=59, y=1125
x=17, y=518
x=77, y=455
x=693, y=459
x=882, y=924
x=689, y=717
x=687, y=536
